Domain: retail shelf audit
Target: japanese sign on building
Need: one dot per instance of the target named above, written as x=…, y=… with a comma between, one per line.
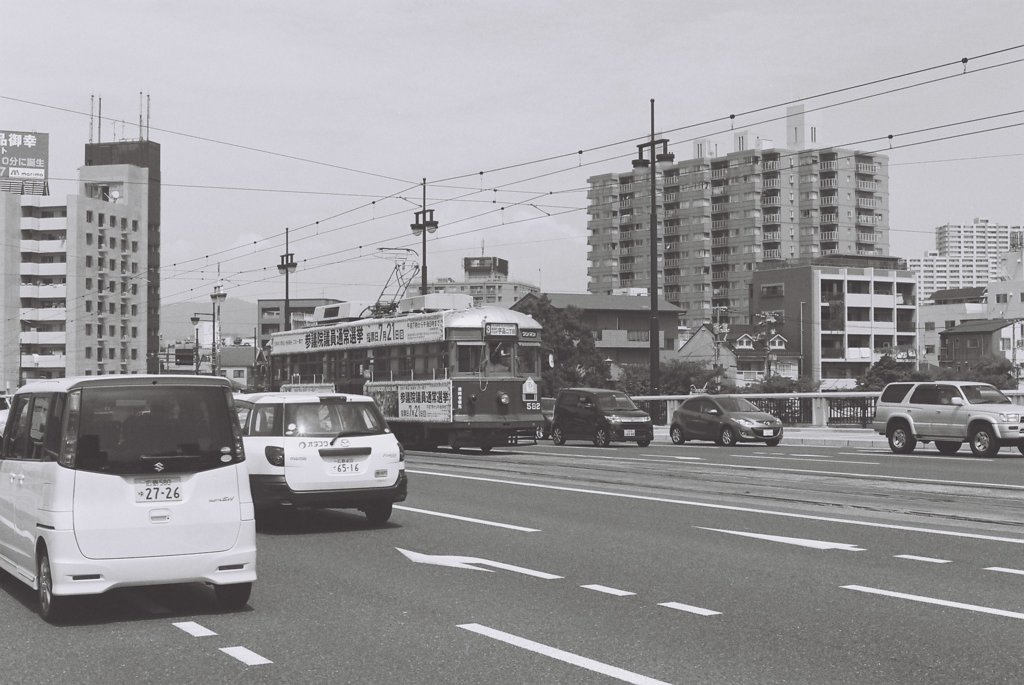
x=362, y=334
x=414, y=400
x=24, y=160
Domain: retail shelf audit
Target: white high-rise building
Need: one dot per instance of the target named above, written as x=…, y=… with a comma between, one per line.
x=966, y=256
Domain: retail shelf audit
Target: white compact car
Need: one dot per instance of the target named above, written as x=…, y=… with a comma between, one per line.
x=112, y=481
x=321, y=450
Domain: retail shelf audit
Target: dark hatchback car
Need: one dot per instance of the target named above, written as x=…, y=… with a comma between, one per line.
x=599, y=415
x=725, y=419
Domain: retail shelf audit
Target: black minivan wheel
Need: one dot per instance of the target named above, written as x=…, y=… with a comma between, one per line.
x=601, y=436
x=232, y=597
x=557, y=436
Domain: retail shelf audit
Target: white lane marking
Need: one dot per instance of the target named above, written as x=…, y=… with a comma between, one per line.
x=246, y=656
x=688, y=458
x=930, y=560
x=1005, y=570
x=469, y=520
x=608, y=590
x=795, y=458
x=560, y=655
x=691, y=609
x=882, y=476
x=471, y=563
x=800, y=542
x=661, y=457
x=194, y=629
x=726, y=507
x=912, y=456
x=932, y=600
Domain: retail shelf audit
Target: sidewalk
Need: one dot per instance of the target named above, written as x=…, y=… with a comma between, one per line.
x=815, y=435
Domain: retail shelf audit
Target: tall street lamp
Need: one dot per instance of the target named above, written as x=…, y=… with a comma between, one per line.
x=287, y=267
x=640, y=162
x=424, y=224
x=196, y=318
x=217, y=296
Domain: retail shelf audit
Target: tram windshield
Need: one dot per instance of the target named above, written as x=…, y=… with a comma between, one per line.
x=496, y=358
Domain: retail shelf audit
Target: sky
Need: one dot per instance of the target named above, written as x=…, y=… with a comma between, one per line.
x=322, y=117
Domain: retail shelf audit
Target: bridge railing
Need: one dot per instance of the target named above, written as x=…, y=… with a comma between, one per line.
x=847, y=409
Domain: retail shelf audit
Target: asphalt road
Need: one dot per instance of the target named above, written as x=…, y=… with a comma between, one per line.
x=576, y=564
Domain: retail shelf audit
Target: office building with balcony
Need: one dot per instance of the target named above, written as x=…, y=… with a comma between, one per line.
x=719, y=217
x=79, y=278
x=486, y=280
x=844, y=313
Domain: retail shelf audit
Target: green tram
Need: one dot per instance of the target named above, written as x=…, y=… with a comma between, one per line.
x=443, y=371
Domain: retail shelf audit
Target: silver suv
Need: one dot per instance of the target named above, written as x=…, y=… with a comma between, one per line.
x=948, y=413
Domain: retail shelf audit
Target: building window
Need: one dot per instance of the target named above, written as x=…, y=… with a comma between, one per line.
x=88, y=284
x=929, y=349
x=950, y=323
x=88, y=238
x=135, y=224
x=638, y=336
x=88, y=329
x=88, y=305
x=238, y=373
x=929, y=325
x=88, y=353
x=88, y=216
x=1001, y=298
x=773, y=290
x=972, y=343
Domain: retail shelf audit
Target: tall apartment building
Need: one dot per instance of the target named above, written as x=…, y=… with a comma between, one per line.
x=486, y=280
x=720, y=216
x=80, y=278
x=966, y=255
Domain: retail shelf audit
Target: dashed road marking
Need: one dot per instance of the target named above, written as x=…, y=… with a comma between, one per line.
x=482, y=522
x=1005, y=570
x=931, y=560
x=933, y=600
x=246, y=656
x=690, y=608
x=194, y=629
x=561, y=655
x=608, y=590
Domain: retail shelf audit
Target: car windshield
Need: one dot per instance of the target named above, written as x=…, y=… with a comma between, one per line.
x=328, y=419
x=984, y=394
x=615, y=401
x=736, y=404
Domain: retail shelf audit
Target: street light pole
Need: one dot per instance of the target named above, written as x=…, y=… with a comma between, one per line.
x=639, y=162
x=196, y=318
x=287, y=267
x=424, y=224
x=217, y=296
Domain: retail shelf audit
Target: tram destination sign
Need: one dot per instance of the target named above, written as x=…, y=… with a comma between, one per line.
x=408, y=330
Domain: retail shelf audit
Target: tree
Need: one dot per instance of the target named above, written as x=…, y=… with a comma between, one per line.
x=996, y=370
x=887, y=370
x=781, y=384
x=577, y=360
x=677, y=377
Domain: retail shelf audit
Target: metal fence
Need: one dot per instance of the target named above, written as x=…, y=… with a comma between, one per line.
x=848, y=409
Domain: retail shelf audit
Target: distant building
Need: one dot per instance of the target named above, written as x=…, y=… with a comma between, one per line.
x=621, y=324
x=238, y=364
x=270, y=315
x=485, y=279
x=82, y=274
x=842, y=318
x=966, y=255
x=969, y=343
x=721, y=216
x=947, y=309
x=746, y=354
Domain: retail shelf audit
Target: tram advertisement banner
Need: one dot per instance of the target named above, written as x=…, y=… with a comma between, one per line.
x=427, y=401
x=406, y=330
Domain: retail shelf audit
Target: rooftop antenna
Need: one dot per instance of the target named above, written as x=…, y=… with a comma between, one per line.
x=140, y=115
x=147, y=116
x=92, y=106
x=482, y=247
x=99, y=122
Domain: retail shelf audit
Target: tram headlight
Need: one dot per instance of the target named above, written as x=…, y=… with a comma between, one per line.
x=503, y=398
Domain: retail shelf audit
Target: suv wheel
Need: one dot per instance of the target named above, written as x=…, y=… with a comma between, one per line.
x=557, y=436
x=947, y=446
x=983, y=442
x=901, y=440
x=601, y=436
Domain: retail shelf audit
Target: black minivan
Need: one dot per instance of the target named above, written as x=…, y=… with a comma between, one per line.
x=600, y=415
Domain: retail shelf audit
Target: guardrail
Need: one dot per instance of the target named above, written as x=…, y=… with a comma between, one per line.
x=846, y=409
